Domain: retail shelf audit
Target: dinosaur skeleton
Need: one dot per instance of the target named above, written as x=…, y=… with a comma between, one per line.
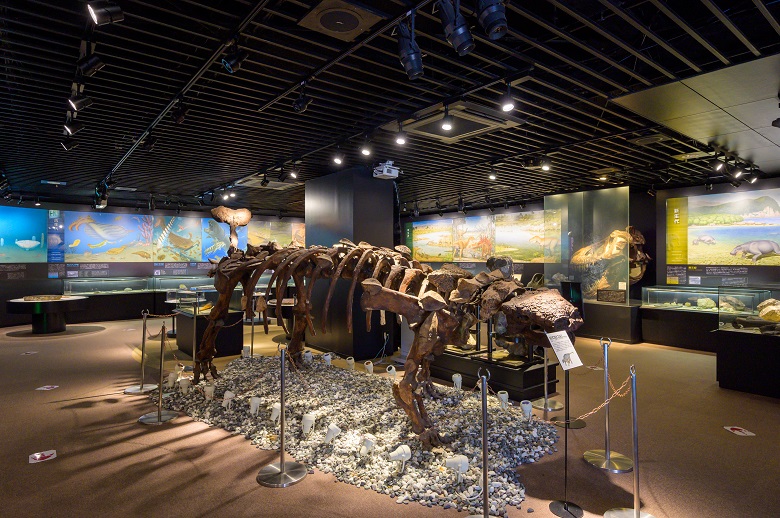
x=440, y=306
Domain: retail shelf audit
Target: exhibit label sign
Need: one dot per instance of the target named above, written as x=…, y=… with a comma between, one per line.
x=564, y=350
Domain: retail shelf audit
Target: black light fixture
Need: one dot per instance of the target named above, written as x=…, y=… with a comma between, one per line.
x=365, y=149
x=234, y=57
x=294, y=172
x=152, y=205
x=303, y=101
x=707, y=186
x=225, y=196
x=491, y=15
x=416, y=212
x=408, y=50
x=73, y=126
x=180, y=111
x=400, y=137
x=148, y=143
x=461, y=205
x=492, y=174
x=101, y=195
x=456, y=30
x=736, y=183
x=487, y=198
x=283, y=175
x=37, y=202
x=545, y=163
x=651, y=191
x=90, y=64
x=738, y=171
x=79, y=102
x=507, y=102
x=716, y=164
x=265, y=181
x=338, y=157
x=752, y=177
x=438, y=206
x=68, y=143
x=446, y=121
x=103, y=13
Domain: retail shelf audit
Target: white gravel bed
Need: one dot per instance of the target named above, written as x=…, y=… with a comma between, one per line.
x=360, y=403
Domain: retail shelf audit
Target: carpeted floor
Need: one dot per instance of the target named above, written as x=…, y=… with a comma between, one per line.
x=108, y=465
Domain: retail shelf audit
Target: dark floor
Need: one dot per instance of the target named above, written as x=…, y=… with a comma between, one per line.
x=108, y=465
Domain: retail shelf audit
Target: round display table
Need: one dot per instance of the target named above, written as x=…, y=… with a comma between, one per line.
x=48, y=316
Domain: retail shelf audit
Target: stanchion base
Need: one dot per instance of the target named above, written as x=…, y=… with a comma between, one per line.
x=566, y=509
x=623, y=512
x=272, y=475
x=151, y=417
x=574, y=424
x=136, y=389
x=171, y=334
x=552, y=405
x=616, y=463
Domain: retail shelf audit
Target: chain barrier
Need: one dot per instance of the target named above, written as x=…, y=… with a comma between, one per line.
x=622, y=391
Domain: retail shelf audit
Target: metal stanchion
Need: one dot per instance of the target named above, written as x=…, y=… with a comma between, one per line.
x=606, y=459
x=161, y=416
x=635, y=512
x=485, y=485
x=252, y=338
x=194, y=331
x=564, y=508
x=282, y=473
x=548, y=405
x=141, y=388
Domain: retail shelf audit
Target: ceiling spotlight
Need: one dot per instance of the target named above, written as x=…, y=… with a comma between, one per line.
x=225, y=196
x=79, y=102
x=400, y=137
x=37, y=202
x=651, y=191
x=438, y=205
x=148, y=143
x=738, y=172
x=232, y=194
x=338, y=157
x=707, y=186
x=73, y=126
x=716, y=164
x=456, y=29
x=545, y=163
x=752, y=178
x=487, y=198
x=491, y=15
x=461, y=205
x=303, y=101
x=103, y=13
x=234, y=58
x=152, y=205
x=293, y=173
x=602, y=178
x=492, y=174
x=265, y=181
x=416, y=212
x=365, y=149
x=283, y=175
x=90, y=64
x=446, y=122
x=735, y=183
x=69, y=143
x=408, y=50
x=507, y=102
x=179, y=112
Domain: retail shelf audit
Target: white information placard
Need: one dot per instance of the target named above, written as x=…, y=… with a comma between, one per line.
x=564, y=350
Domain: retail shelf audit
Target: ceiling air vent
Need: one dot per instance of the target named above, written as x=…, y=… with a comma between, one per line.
x=647, y=140
x=339, y=19
x=253, y=181
x=469, y=120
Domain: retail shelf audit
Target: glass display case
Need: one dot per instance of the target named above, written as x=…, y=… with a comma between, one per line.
x=106, y=285
x=200, y=300
x=748, y=309
x=178, y=283
x=681, y=298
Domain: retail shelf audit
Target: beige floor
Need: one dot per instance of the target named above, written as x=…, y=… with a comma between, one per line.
x=108, y=465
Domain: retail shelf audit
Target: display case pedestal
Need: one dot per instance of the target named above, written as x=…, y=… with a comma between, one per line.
x=689, y=329
x=748, y=362
x=616, y=321
x=229, y=342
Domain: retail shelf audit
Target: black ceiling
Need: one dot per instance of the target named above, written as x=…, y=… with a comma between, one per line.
x=566, y=60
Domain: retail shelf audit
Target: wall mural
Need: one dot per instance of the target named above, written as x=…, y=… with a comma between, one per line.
x=741, y=228
x=176, y=238
x=106, y=237
x=530, y=237
x=23, y=235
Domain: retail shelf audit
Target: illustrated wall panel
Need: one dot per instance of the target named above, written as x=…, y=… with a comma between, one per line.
x=107, y=237
x=23, y=235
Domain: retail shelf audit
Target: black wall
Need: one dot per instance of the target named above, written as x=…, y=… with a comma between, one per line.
x=348, y=204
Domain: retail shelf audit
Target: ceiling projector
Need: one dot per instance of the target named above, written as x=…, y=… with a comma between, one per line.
x=386, y=171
